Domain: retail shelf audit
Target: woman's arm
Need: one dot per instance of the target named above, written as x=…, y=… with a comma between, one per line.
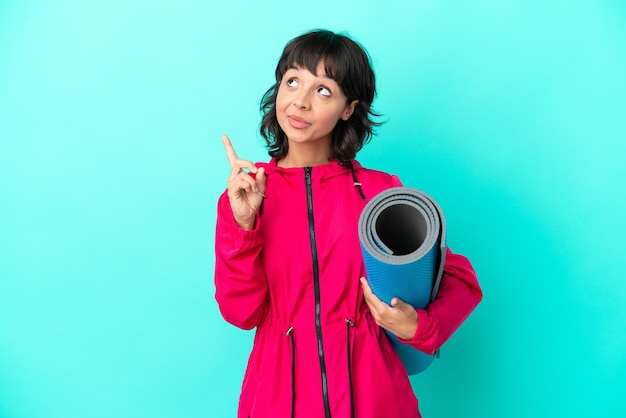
x=428, y=329
x=240, y=282
x=459, y=293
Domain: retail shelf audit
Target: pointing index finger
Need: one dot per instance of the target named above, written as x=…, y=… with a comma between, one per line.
x=230, y=151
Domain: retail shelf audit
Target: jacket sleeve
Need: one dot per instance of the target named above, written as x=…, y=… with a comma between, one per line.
x=459, y=293
x=240, y=282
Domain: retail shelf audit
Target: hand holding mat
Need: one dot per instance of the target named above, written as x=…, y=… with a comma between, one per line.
x=402, y=234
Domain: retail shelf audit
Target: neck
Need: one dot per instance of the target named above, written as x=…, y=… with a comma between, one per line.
x=303, y=155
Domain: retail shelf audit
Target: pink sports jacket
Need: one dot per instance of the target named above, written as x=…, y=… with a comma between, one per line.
x=317, y=350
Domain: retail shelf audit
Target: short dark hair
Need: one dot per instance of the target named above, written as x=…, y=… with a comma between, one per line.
x=346, y=62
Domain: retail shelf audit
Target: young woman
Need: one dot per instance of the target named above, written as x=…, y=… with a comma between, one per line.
x=288, y=260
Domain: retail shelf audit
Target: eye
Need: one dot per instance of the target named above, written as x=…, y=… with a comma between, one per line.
x=324, y=91
x=292, y=82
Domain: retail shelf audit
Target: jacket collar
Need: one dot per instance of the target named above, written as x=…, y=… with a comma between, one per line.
x=322, y=172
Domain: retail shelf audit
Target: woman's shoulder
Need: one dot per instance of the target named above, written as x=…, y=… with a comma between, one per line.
x=372, y=175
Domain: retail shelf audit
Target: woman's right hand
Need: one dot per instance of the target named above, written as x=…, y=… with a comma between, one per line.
x=244, y=192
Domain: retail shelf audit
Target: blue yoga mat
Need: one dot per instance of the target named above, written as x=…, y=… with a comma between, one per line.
x=403, y=241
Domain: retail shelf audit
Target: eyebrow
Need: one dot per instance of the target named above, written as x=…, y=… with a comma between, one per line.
x=293, y=67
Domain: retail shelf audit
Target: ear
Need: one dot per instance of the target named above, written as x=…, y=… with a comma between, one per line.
x=349, y=110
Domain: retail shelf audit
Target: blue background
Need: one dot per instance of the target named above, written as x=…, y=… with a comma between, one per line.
x=511, y=113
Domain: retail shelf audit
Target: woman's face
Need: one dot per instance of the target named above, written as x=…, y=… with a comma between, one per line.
x=309, y=105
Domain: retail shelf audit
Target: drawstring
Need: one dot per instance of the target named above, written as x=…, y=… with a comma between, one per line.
x=356, y=181
x=350, y=324
x=289, y=333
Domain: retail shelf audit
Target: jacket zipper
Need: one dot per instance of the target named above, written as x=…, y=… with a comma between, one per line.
x=316, y=286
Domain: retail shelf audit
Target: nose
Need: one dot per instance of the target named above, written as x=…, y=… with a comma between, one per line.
x=302, y=99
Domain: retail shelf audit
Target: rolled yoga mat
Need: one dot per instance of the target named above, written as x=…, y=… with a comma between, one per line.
x=403, y=241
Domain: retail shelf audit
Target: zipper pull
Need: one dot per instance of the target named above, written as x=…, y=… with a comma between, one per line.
x=307, y=175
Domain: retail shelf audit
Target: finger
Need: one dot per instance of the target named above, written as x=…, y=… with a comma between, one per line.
x=230, y=151
x=367, y=290
x=260, y=180
x=239, y=165
x=238, y=175
x=243, y=182
x=402, y=306
x=372, y=309
x=372, y=300
x=367, y=293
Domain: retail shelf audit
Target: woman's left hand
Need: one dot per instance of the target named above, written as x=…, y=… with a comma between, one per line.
x=400, y=318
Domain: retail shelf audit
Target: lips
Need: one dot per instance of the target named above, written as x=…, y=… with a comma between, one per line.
x=298, y=122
